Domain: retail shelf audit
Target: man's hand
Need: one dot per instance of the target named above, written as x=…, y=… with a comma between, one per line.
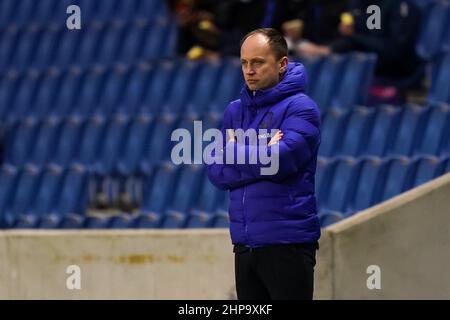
x=277, y=137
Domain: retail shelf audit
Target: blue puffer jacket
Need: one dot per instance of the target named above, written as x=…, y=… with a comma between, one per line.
x=279, y=208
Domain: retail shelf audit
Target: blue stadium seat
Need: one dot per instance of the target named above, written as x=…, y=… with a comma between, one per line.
x=19, y=141
x=312, y=65
x=158, y=188
x=327, y=81
x=205, y=85
x=440, y=86
x=174, y=220
x=383, y=131
x=112, y=143
x=72, y=221
x=23, y=12
x=111, y=42
x=61, y=7
x=157, y=91
x=67, y=92
x=49, y=186
x=395, y=177
x=425, y=169
x=342, y=184
x=44, y=142
x=356, y=132
x=228, y=87
x=133, y=40
x=26, y=45
x=327, y=218
x=135, y=88
x=67, y=46
x=209, y=196
x=7, y=8
x=44, y=102
x=8, y=84
x=27, y=187
x=445, y=46
x=148, y=220
x=24, y=95
x=158, y=148
x=104, y=11
x=9, y=177
x=88, y=45
x=9, y=38
x=432, y=138
x=91, y=139
x=367, y=185
x=113, y=89
x=126, y=10
x=68, y=142
x=138, y=135
x=412, y=123
x=186, y=191
x=169, y=48
x=444, y=166
x=152, y=10
x=154, y=41
x=433, y=29
x=333, y=125
x=97, y=222
x=354, y=83
x=45, y=49
x=221, y=219
x=181, y=87
x=72, y=198
x=121, y=221
x=43, y=12
x=322, y=178
x=90, y=90
x=199, y=219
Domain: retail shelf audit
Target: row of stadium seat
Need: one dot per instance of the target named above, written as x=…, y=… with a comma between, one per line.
x=32, y=196
x=170, y=196
x=337, y=82
x=387, y=130
x=56, y=46
x=22, y=13
x=121, y=144
x=348, y=185
x=165, y=85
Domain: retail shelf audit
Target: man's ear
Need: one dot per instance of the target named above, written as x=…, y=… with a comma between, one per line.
x=283, y=64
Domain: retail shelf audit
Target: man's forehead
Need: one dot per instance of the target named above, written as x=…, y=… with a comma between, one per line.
x=256, y=44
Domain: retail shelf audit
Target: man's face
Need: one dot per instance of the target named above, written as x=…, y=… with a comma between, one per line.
x=260, y=67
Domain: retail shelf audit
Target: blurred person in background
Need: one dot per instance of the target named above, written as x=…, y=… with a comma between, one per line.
x=238, y=17
x=394, y=43
x=198, y=35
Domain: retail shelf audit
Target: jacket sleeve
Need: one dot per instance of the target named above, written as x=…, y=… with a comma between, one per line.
x=227, y=176
x=301, y=139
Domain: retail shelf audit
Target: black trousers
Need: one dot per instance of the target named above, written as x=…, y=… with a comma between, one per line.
x=276, y=272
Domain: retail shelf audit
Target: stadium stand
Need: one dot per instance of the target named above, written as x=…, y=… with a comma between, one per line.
x=86, y=117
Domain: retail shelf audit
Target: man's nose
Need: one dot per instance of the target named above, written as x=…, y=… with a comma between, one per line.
x=250, y=71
